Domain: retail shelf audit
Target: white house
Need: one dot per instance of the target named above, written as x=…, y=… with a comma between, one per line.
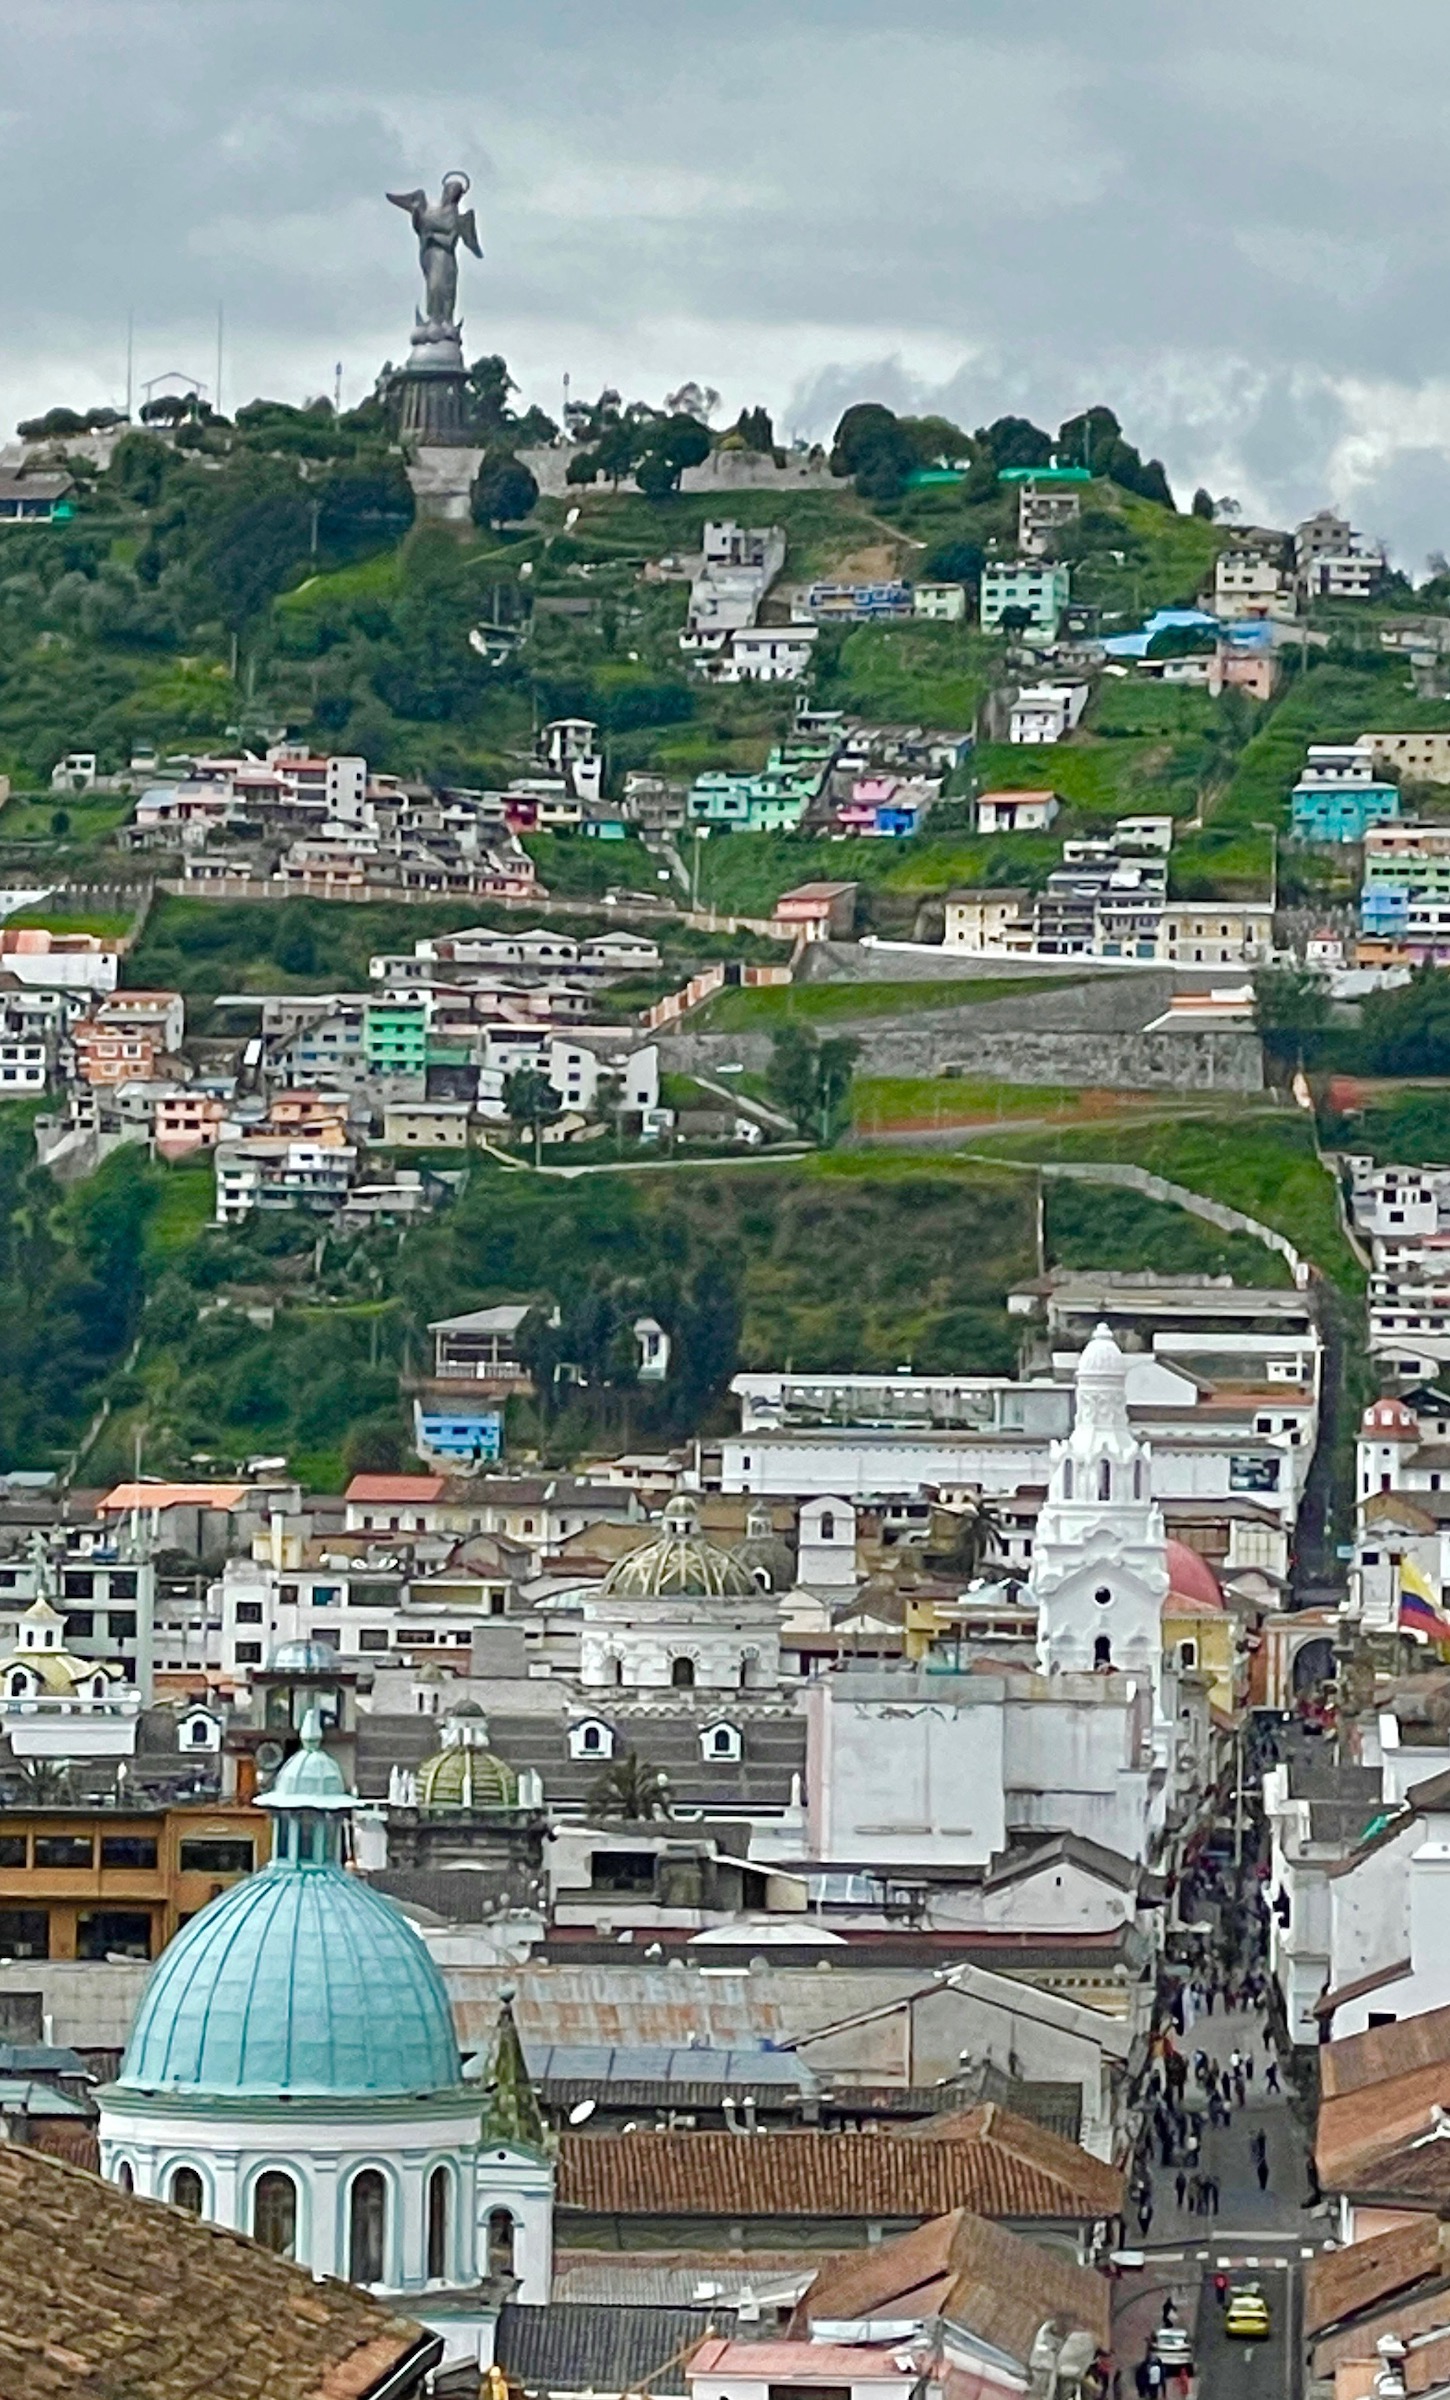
x=1016, y=812
x=1046, y=712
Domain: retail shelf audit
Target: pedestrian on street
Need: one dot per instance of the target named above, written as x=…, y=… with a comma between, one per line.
x=1271, y=2076
x=1235, y=2062
x=1210, y=2195
x=1263, y=2172
x=1180, y=2185
x=1195, y=2194
x=1220, y=2288
x=1145, y=2217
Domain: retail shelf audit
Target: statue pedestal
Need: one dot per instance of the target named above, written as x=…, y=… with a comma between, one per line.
x=442, y=479
x=433, y=423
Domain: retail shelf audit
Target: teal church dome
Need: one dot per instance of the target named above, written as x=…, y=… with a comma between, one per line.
x=301, y=1982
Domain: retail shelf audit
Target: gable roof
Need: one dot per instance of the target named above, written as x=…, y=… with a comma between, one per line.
x=401, y=1488
x=1075, y=1849
x=977, y=2275
x=106, y=2294
x=996, y=2164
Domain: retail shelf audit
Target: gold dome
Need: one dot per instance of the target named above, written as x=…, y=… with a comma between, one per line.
x=681, y=1563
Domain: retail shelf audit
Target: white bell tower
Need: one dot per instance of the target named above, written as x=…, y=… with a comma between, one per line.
x=1099, y=1562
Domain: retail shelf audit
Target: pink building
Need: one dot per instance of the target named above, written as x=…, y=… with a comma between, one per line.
x=187, y=1121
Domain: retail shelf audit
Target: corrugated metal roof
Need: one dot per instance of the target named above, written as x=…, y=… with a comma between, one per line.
x=573, y=2346
x=654, y=2062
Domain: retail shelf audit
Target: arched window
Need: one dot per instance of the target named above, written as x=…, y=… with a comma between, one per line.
x=367, y=2222
x=274, y=2212
x=828, y=1525
x=501, y=2232
x=438, y=2196
x=124, y=2176
x=1067, y=1479
x=186, y=2191
x=19, y=1686
x=1105, y=1480
x=682, y=1673
x=1102, y=1654
x=1137, y=1479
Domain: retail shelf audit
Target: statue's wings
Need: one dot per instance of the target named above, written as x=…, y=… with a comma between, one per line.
x=411, y=201
x=469, y=231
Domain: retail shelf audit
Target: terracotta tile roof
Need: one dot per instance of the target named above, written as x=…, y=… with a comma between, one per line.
x=1395, y=1972
x=1385, y=2051
x=1340, y=2284
x=977, y=2275
x=998, y=2165
x=401, y=1488
x=1359, y=2131
x=104, y=2295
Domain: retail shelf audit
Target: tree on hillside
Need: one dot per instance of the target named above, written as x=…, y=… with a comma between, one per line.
x=956, y=562
x=1015, y=442
x=504, y=490
x=1291, y=1010
x=1202, y=505
x=490, y=386
x=1407, y=1032
x=706, y=1331
x=811, y=1079
x=872, y=445
x=532, y=1103
x=756, y=430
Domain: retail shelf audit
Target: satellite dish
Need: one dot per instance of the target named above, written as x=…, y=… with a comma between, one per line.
x=582, y=2111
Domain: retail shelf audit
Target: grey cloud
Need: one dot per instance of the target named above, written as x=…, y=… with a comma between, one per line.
x=1229, y=224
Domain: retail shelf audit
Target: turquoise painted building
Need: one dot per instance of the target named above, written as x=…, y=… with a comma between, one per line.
x=772, y=800
x=1341, y=811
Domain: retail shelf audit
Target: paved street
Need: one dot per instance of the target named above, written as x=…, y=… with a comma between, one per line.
x=1263, y=2237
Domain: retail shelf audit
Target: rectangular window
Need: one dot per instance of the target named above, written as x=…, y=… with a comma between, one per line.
x=24, y=1933
x=122, y=1625
x=77, y=1586
x=128, y=1850
x=114, y=1933
x=249, y=1654
x=80, y=1623
x=372, y=1637
x=372, y=1595
x=123, y=1583
x=216, y=1855
x=63, y=1849
x=12, y=1849
x=249, y=1612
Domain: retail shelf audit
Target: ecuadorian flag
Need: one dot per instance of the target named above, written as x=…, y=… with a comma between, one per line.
x=1420, y=1612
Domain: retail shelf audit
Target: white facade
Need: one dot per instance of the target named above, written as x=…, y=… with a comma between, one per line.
x=1046, y=712
x=1099, y=1560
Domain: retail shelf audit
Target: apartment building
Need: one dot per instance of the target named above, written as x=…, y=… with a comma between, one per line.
x=992, y=920
x=1250, y=582
x=1046, y=712
x=1417, y=757
x=1216, y=933
x=262, y=1171
x=1040, y=589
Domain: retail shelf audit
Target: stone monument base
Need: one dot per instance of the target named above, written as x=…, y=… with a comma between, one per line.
x=442, y=477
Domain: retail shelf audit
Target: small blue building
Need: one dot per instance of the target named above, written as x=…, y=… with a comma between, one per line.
x=466, y=1436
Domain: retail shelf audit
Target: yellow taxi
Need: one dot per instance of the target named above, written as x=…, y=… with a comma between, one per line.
x=1247, y=2315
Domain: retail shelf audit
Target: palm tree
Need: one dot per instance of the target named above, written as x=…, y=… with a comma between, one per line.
x=976, y=1537
x=631, y=1788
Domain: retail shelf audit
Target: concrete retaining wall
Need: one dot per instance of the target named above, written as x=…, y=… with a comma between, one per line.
x=1197, y=1204
x=976, y=1043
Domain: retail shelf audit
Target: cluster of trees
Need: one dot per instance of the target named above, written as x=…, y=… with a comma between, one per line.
x=882, y=450
x=1401, y=1032
x=653, y=445
x=63, y=424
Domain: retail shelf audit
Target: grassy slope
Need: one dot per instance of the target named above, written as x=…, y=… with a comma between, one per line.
x=762, y=1007
x=1261, y=1161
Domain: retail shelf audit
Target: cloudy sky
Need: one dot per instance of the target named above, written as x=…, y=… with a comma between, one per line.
x=1231, y=223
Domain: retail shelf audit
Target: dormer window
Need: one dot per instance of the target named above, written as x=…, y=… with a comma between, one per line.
x=592, y=1739
x=720, y=1742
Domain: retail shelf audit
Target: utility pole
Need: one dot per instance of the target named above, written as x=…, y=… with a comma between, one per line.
x=130, y=359
x=217, y=387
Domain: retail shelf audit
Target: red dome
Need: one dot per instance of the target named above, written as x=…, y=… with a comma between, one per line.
x=1191, y=1576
